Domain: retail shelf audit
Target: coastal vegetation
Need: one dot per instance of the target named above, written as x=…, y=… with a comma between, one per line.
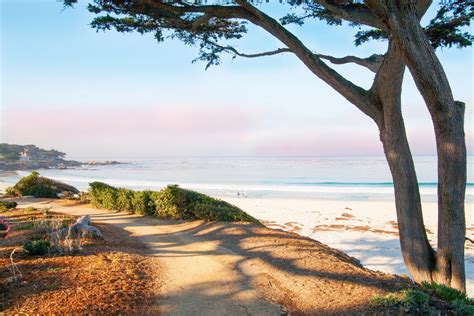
x=12, y=152
x=215, y=26
x=7, y=205
x=30, y=157
x=192, y=254
x=172, y=202
x=458, y=300
x=23, y=157
x=423, y=301
x=37, y=279
x=40, y=187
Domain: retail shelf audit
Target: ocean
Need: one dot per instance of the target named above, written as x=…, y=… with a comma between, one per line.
x=300, y=195
x=335, y=178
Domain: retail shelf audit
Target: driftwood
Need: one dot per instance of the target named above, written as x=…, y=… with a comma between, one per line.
x=13, y=268
x=70, y=237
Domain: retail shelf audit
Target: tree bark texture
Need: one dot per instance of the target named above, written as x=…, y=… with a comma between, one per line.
x=447, y=115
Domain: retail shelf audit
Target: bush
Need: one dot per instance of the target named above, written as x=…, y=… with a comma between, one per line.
x=411, y=300
x=416, y=301
x=109, y=199
x=445, y=292
x=11, y=192
x=459, y=300
x=208, y=208
x=41, y=191
x=462, y=308
x=7, y=205
x=103, y=195
x=142, y=203
x=36, y=247
x=38, y=186
x=124, y=200
x=172, y=202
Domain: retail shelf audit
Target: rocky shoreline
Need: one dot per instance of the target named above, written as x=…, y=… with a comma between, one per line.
x=15, y=157
x=64, y=164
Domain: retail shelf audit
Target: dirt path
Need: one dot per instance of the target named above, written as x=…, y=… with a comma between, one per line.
x=223, y=268
x=199, y=276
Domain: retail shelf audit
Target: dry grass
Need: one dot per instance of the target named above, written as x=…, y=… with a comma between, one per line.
x=108, y=277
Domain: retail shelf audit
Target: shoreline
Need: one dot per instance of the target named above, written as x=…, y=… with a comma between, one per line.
x=366, y=230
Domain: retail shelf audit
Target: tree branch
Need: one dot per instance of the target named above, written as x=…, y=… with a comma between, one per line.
x=214, y=10
x=353, y=13
x=262, y=54
x=200, y=21
x=422, y=7
x=388, y=85
x=373, y=62
x=363, y=14
x=361, y=98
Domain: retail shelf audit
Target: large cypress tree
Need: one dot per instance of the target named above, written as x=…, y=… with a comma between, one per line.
x=208, y=25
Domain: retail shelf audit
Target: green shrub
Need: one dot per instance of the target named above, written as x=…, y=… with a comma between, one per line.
x=36, y=247
x=7, y=205
x=27, y=182
x=445, y=292
x=410, y=300
x=459, y=300
x=208, y=208
x=38, y=186
x=172, y=202
x=461, y=307
x=109, y=199
x=94, y=193
x=103, y=195
x=124, y=200
x=11, y=192
x=41, y=191
x=142, y=202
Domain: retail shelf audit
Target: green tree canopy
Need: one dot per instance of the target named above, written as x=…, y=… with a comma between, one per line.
x=209, y=24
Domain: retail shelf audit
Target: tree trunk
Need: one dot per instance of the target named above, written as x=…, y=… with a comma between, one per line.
x=448, y=120
x=417, y=253
x=451, y=149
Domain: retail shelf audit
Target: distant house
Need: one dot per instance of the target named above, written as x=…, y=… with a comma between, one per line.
x=24, y=156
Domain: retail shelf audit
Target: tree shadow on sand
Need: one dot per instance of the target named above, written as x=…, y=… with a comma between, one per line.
x=285, y=268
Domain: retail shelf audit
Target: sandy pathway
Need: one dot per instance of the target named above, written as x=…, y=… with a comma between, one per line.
x=199, y=275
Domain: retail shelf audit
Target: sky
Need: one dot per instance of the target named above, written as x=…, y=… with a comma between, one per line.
x=110, y=95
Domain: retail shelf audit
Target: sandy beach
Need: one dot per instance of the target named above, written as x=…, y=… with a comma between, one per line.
x=366, y=230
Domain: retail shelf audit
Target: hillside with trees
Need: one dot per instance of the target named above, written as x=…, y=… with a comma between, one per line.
x=30, y=157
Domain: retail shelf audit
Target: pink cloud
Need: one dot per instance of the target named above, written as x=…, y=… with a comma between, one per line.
x=315, y=143
x=176, y=120
x=339, y=141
